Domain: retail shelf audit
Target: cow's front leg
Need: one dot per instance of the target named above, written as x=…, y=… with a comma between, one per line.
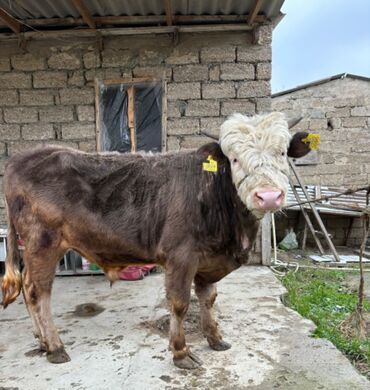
x=207, y=293
x=178, y=287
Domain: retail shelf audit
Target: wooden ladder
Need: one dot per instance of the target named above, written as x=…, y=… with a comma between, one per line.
x=315, y=213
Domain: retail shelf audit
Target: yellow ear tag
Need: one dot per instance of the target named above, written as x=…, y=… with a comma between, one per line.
x=210, y=165
x=313, y=140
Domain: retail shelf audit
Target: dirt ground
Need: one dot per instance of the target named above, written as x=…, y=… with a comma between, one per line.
x=118, y=339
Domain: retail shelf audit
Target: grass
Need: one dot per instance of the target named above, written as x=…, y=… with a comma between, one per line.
x=322, y=296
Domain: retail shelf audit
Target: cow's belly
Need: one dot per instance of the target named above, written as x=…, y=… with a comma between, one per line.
x=213, y=269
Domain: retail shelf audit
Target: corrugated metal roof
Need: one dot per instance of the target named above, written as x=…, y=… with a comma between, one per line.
x=321, y=81
x=34, y=9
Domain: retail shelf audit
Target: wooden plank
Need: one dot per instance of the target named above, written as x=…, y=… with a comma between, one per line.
x=131, y=81
x=131, y=117
x=168, y=9
x=130, y=31
x=164, y=115
x=315, y=213
x=97, y=115
x=85, y=13
x=266, y=239
x=254, y=12
x=308, y=221
x=9, y=21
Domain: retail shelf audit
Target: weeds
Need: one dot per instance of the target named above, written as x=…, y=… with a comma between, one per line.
x=321, y=296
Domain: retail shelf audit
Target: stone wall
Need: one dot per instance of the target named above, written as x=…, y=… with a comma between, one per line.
x=47, y=88
x=339, y=111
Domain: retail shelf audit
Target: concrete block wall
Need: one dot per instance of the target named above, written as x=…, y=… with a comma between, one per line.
x=339, y=111
x=47, y=88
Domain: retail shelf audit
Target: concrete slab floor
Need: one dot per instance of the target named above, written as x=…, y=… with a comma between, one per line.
x=125, y=346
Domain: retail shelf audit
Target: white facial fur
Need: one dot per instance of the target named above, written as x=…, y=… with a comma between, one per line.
x=256, y=147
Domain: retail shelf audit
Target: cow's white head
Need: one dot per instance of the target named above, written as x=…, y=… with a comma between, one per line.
x=257, y=148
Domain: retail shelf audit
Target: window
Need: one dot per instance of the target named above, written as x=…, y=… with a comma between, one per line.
x=130, y=115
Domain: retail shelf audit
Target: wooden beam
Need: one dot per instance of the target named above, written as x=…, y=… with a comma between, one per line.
x=9, y=21
x=85, y=13
x=168, y=9
x=131, y=117
x=154, y=20
x=130, y=31
x=254, y=12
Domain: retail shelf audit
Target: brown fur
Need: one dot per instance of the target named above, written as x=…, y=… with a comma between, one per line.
x=118, y=210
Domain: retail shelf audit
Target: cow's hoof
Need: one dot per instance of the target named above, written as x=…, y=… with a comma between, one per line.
x=220, y=346
x=189, y=362
x=58, y=356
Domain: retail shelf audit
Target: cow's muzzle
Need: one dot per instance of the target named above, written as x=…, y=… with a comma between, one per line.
x=271, y=200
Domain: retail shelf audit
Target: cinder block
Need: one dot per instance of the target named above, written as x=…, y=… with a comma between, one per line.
x=38, y=131
x=102, y=74
x=173, y=143
x=214, y=73
x=87, y=146
x=183, y=91
x=181, y=57
x=20, y=115
x=354, y=122
x=202, y=108
x=193, y=142
x=39, y=97
x=152, y=57
x=176, y=108
x=118, y=58
x=211, y=126
x=218, y=54
x=248, y=89
x=237, y=72
x=224, y=89
x=77, y=96
x=263, y=105
x=338, y=112
x=18, y=146
x=15, y=80
x=254, y=53
x=86, y=113
x=242, y=106
x=91, y=60
x=263, y=71
x=360, y=111
x=158, y=72
x=316, y=124
x=78, y=131
x=28, y=62
x=263, y=34
x=190, y=73
x=76, y=79
x=49, y=79
x=4, y=64
x=64, y=60
x=182, y=126
x=9, y=97
x=56, y=114
x=9, y=132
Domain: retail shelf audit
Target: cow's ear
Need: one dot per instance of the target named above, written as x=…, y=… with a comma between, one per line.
x=302, y=143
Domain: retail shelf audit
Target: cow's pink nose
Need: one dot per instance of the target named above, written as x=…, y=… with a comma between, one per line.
x=269, y=200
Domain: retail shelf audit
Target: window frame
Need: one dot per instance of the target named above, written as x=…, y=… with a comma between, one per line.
x=131, y=82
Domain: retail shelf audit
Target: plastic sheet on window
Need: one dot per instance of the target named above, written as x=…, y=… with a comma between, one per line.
x=115, y=132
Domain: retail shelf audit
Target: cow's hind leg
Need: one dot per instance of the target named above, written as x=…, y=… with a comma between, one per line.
x=27, y=299
x=207, y=293
x=37, y=286
x=178, y=287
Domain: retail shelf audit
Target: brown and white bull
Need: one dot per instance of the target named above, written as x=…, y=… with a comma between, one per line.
x=196, y=213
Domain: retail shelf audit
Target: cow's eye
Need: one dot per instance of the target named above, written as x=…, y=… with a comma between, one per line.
x=283, y=154
x=235, y=161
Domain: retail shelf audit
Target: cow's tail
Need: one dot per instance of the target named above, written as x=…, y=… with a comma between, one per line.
x=12, y=281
